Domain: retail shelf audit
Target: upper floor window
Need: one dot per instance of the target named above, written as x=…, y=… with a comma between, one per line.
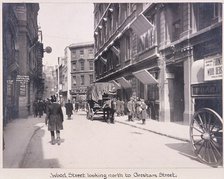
x=90, y=51
x=128, y=47
x=74, y=66
x=73, y=53
x=82, y=65
x=91, y=65
x=206, y=14
x=74, y=80
x=91, y=79
x=81, y=52
x=82, y=80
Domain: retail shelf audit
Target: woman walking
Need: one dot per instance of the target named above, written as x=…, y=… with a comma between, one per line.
x=143, y=113
x=54, y=120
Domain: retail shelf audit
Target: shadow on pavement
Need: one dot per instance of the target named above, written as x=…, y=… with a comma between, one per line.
x=34, y=157
x=184, y=149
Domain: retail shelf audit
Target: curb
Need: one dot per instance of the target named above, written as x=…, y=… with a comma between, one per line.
x=26, y=148
x=153, y=131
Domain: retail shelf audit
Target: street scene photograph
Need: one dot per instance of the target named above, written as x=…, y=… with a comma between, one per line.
x=103, y=85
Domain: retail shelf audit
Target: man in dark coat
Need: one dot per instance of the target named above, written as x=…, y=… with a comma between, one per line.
x=69, y=109
x=54, y=119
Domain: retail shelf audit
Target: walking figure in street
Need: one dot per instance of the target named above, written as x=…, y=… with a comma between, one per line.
x=143, y=113
x=131, y=109
x=35, y=108
x=40, y=107
x=54, y=120
x=69, y=109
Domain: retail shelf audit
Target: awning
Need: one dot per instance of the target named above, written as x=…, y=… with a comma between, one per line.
x=117, y=85
x=141, y=25
x=115, y=50
x=197, y=72
x=123, y=82
x=145, y=77
x=103, y=60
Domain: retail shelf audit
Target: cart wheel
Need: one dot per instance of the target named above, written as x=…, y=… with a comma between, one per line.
x=206, y=130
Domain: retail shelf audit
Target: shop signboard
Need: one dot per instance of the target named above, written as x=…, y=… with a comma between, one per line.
x=213, y=69
x=22, y=78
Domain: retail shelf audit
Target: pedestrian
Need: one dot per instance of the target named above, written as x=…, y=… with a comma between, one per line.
x=54, y=120
x=35, y=108
x=112, y=110
x=69, y=109
x=118, y=107
x=131, y=109
x=138, y=108
x=143, y=111
x=122, y=107
x=40, y=107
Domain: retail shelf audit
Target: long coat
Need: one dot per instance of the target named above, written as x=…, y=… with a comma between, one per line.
x=131, y=106
x=69, y=108
x=55, y=117
x=143, y=114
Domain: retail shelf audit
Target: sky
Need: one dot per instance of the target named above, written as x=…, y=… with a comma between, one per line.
x=63, y=24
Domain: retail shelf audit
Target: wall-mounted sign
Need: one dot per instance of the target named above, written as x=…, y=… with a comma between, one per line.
x=213, y=69
x=22, y=78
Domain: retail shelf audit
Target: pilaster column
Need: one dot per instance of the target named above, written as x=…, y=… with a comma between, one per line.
x=188, y=106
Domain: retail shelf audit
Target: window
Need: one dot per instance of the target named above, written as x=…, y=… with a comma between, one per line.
x=73, y=54
x=82, y=79
x=81, y=52
x=91, y=79
x=206, y=14
x=82, y=65
x=128, y=48
x=74, y=80
x=74, y=66
x=90, y=51
x=91, y=65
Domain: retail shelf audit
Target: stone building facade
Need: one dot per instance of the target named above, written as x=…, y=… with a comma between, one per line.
x=147, y=50
x=82, y=69
x=22, y=59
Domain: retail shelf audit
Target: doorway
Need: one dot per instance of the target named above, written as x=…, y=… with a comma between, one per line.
x=178, y=98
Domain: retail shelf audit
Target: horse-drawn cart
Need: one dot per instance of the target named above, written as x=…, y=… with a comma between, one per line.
x=99, y=96
x=206, y=127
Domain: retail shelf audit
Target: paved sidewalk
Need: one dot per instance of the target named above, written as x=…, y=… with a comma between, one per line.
x=17, y=135
x=169, y=129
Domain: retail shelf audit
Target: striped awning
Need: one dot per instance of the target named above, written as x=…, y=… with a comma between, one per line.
x=145, y=77
x=141, y=25
x=123, y=82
